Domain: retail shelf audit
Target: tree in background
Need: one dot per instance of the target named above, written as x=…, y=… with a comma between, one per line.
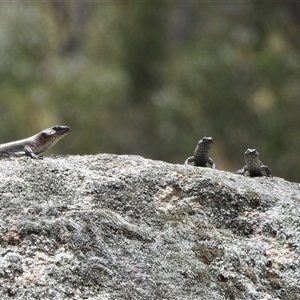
x=154, y=78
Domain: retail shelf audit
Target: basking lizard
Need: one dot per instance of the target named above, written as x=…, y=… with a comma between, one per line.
x=200, y=157
x=35, y=144
x=254, y=167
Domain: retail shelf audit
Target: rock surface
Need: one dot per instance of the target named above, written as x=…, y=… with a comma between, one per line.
x=125, y=227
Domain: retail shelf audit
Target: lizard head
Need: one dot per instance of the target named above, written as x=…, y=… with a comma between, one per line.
x=50, y=136
x=206, y=143
x=251, y=154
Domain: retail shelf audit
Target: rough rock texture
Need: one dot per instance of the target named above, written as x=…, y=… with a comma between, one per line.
x=125, y=227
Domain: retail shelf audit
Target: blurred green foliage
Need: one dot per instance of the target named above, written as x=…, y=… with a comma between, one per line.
x=153, y=78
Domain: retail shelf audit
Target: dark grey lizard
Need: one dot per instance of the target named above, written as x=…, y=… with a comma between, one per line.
x=254, y=167
x=35, y=144
x=200, y=157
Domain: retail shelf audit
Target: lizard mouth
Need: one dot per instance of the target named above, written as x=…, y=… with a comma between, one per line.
x=61, y=129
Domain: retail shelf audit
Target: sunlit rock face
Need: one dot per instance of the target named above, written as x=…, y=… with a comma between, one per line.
x=125, y=227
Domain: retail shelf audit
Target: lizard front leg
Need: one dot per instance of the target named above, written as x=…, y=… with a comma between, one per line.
x=29, y=152
x=211, y=163
x=242, y=171
x=265, y=171
x=190, y=161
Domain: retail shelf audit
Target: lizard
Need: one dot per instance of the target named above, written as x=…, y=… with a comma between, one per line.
x=35, y=144
x=254, y=167
x=200, y=157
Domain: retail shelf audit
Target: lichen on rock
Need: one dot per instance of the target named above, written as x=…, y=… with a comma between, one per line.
x=124, y=227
